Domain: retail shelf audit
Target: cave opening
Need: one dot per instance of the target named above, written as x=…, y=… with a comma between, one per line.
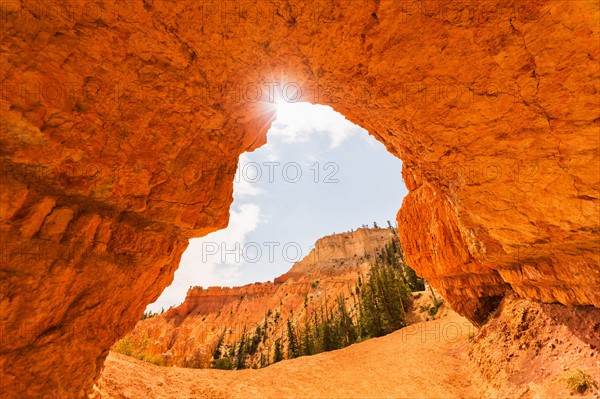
x=318, y=174
x=110, y=109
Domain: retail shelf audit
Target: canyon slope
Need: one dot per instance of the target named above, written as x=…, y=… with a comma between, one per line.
x=397, y=365
x=525, y=351
x=187, y=335
x=122, y=124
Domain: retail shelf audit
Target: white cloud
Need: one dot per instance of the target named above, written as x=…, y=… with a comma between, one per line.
x=272, y=157
x=297, y=122
x=214, y=260
x=244, y=183
x=243, y=188
x=312, y=158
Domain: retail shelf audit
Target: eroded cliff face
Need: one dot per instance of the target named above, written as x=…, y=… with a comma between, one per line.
x=122, y=124
x=187, y=335
x=339, y=252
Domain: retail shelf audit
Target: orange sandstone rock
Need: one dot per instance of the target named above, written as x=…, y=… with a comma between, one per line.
x=187, y=335
x=122, y=124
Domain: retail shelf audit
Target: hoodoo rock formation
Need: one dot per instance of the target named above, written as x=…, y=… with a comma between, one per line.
x=122, y=124
x=187, y=335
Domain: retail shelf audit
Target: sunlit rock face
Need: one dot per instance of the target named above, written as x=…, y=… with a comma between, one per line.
x=122, y=124
x=187, y=335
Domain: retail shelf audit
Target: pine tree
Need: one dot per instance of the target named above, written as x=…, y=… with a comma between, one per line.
x=217, y=353
x=241, y=352
x=415, y=282
x=278, y=353
x=348, y=334
x=307, y=339
x=255, y=341
x=327, y=338
x=293, y=348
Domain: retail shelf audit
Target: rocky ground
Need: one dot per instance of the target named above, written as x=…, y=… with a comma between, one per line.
x=525, y=350
x=529, y=348
x=425, y=360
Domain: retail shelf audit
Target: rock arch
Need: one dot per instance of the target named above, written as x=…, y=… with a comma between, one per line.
x=122, y=124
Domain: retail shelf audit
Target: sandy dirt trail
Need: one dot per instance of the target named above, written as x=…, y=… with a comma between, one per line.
x=424, y=360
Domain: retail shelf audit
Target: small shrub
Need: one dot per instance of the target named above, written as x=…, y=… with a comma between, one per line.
x=223, y=364
x=433, y=310
x=435, y=301
x=579, y=381
x=150, y=359
x=124, y=347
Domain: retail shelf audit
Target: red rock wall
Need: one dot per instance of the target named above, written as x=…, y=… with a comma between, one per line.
x=122, y=124
x=187, y=335
x=334, y=253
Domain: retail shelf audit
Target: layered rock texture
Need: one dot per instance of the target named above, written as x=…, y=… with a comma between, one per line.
x=122, y=124
x=187, y=335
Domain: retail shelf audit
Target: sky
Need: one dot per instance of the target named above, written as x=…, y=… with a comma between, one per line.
x=317, y=175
